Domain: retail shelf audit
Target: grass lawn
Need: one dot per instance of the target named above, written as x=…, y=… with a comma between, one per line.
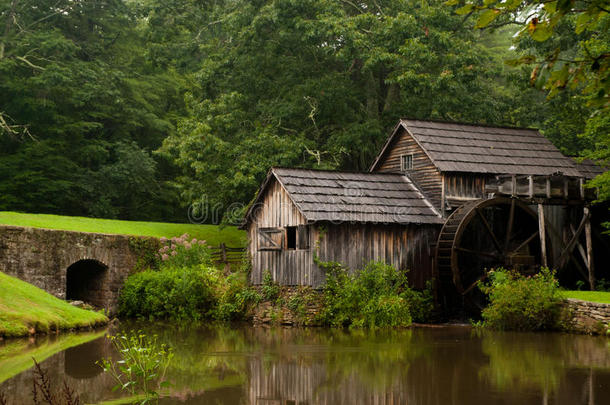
x=213, y=234
x=24, y=306
x=592, y=296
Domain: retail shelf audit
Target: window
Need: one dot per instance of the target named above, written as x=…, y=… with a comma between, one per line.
x=270, y=238
x=291, y=237
x=406, y=162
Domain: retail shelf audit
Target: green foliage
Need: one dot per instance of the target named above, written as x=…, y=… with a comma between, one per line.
x=270, y=288
x=81, y=110
x=142, y=367
x=565, y=44
x=186, y=286
x=518, y=302
x=320, y=83
x=236, y=298
x=580, y=63
x=377, y=296
x=179, y=293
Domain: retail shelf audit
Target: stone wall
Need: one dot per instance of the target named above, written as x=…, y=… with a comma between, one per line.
x=587, y=317
x=295, y=306
x=42, y=257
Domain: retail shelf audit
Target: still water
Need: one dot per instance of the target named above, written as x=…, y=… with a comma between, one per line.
x=259, y=366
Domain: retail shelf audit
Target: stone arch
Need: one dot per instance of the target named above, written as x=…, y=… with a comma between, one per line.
x=87, y=280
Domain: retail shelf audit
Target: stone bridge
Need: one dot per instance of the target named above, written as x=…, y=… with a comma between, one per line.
x=70, y=265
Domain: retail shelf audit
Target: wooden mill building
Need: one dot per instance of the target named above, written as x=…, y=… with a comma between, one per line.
x=445, y=201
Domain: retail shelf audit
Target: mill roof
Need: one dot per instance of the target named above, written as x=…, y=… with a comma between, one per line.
x=454, y=147
x=590, y=169
x=322, y=195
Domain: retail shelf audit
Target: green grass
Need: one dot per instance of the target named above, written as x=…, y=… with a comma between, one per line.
x=16, y=355
x=592, y=296
x=24, y=306
x=213, y=234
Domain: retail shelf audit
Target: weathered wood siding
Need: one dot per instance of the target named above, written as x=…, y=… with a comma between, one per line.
x=463, y=187
x=406, y=247
x=288, y=267
x=424, y=173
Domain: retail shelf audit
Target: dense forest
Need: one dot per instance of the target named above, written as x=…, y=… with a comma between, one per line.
x=135, y=109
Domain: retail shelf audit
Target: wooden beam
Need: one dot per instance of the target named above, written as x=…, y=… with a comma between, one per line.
x=555, y=234
x=509, y=228
x=542, y=233
x=589, y=242
x=581, y=250
x=548, y=187
x=530, y=180
x=567, y=251
x=524, y=243
x=443, y=196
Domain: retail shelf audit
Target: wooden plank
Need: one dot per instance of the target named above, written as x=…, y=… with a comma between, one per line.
x=542, y=233
x=567, y=251
x=589, y=243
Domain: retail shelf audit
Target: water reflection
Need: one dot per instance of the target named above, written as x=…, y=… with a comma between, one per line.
x=243, y=365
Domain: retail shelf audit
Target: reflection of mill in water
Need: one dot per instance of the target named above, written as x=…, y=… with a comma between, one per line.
x=457, y=369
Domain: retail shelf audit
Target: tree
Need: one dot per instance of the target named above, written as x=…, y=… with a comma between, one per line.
x=74, y=88
x=568, y=44
x=319, y=83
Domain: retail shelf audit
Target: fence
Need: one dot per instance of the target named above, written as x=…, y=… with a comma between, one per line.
x=228, y=255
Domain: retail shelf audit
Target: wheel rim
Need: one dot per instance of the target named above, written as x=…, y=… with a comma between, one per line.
x=486, y=234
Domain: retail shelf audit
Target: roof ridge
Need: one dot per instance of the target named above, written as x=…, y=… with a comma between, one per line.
x=329, y=170
x=472, y=124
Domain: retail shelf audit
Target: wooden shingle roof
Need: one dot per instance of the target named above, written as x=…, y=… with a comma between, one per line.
x=590, y=169
x=456, y=147
x=322, y=195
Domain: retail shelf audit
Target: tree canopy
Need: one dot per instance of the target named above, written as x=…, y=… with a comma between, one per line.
x=135, y=109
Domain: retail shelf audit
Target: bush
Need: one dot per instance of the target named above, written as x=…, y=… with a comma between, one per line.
x=187, y=293
x=270, y=289
x=236, y=298
x=186, y=286
x=517, y=302
x=377, y=296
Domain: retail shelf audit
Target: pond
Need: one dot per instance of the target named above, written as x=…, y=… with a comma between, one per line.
x=259, y=366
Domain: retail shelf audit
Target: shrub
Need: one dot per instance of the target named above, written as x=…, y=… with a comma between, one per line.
x=270, y=289
x=236, y=298
x=517, y=302
x=376, y=296
x=187, y=293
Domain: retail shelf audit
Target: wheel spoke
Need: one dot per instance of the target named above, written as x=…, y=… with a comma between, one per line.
x=473, y=285
x=509, y=226
x=493, y=237
x=524, y=243
x=477, y=252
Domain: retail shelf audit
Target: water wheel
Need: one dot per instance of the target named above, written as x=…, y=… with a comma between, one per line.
x=485, y=234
